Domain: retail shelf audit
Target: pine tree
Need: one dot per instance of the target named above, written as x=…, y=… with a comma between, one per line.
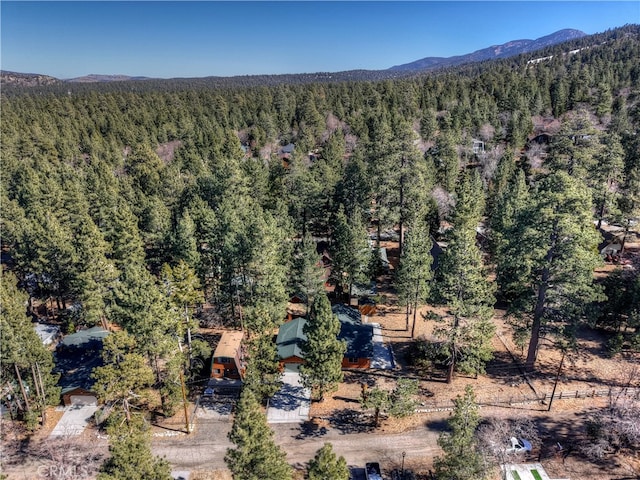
x=350, y=251
x=323, y=352
x=413, y=280
x=574, y=148
x=303, y=189
x=23, y=357
x=131, y=457
x=307, y=277
x=183, y=241
x=446, y=161
x=141, y=308
x=502, y=177
x=461, y=460
x=376, y=399
x=399, y=402
x=255, y=456
x=629, y=200
x=354, y=189
x=381, y=155
x=270, y=254
x=462, y=286
x=402, y=401
x=410, y=182
x=263, y=367
x=545, y=269
x=182, y=287
x=509, y=204
x=124, y=236
x=326, y=465
x=609, y=177
x=125, y=374
x=96, y=274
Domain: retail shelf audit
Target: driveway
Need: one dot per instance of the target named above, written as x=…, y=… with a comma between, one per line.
x=74, y=420
x=382, y=353
x=212, y=408
x=292, y=402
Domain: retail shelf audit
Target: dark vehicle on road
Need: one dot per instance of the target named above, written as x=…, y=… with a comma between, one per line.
x=373, y=471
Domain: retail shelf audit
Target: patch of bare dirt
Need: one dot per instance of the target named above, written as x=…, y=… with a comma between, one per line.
x=587, y=369
x=166, y=151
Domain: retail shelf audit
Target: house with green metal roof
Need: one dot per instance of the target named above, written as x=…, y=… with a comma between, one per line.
x=289, y=341
x=358, y=337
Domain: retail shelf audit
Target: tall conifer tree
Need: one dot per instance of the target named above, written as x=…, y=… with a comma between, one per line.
x=413, y=280
x=308, y=274
x=323, y=352
x=255, y=456
x=21, y=351
x=350, y=250
x=545, y=269
x=461, y=460
x=131, y=457
x=462, y=286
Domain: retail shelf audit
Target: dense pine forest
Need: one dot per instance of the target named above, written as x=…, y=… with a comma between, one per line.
x=153, y=207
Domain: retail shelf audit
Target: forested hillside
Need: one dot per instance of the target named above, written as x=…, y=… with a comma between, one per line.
x=134, y=204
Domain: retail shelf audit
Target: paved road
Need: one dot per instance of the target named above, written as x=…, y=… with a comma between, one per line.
x=205, y=448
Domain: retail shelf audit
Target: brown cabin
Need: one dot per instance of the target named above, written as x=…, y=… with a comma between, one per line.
x=228, y=357
x=78, y=396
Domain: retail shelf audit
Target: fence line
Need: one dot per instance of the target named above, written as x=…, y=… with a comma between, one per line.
x=514, y=400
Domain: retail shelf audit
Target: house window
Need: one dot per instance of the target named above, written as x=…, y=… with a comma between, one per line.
x=352, y=360
x=216, y=371
x=224, y=360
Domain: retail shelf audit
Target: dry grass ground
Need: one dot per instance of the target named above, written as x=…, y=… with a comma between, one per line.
x=587, y=369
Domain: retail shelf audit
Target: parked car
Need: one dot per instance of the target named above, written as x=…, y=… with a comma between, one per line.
x=209, y=392
x=519, y=445
x=372, y=471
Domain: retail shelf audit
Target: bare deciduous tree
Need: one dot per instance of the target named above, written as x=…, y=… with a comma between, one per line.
x=617, y=427
x=443, y=200
x=487, y=132
x=494, y=438
x=489, y=162
x=68, y=457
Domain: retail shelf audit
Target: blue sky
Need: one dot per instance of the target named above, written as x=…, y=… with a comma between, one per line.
x=194, y=39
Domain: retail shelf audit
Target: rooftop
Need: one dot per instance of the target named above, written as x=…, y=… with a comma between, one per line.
x=85, y=338
x=228, y=345
x=358, y=336
x=290, y=336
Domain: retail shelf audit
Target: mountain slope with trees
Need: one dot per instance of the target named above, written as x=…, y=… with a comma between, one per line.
x=133, y=204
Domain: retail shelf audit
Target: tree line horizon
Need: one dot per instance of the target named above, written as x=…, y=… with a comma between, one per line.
x=95, y=214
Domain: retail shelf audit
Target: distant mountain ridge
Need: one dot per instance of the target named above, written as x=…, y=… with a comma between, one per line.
x=94, y=78
x=427, y=64
x=509, y=49
x=26, y=79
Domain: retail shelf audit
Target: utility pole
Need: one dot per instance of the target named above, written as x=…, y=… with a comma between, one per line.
x=184, y=395
x=184, y=403
x=44, y=395
x=24, y=393
x=39, y=392
x=240, y=309
x=555, y=384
